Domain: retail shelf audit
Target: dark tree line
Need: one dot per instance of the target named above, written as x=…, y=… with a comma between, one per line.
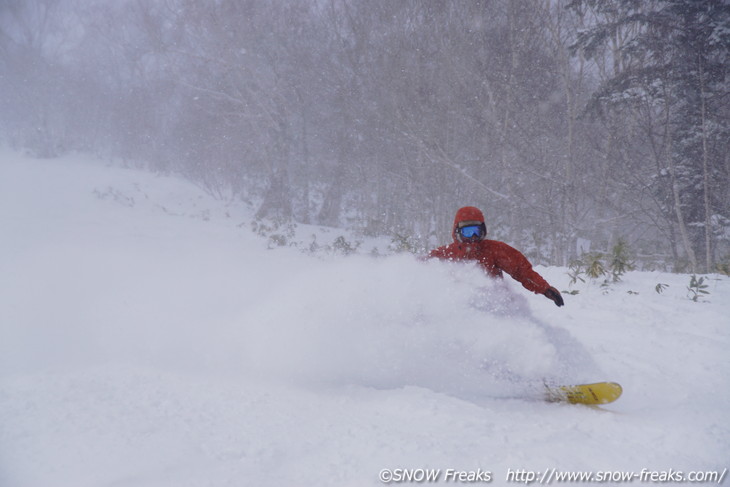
x=671, y=72
x=566, y=121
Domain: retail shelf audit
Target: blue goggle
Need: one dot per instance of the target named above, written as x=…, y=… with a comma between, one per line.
x=471, y=231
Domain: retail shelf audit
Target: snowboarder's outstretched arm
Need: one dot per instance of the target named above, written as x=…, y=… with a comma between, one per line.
x=514, y=263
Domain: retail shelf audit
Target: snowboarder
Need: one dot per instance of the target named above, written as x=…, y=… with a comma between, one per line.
x=470, y=243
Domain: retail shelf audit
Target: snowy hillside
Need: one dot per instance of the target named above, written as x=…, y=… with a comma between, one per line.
x=149, y=338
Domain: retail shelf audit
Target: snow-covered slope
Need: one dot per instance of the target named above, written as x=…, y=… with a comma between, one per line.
x=149, y=338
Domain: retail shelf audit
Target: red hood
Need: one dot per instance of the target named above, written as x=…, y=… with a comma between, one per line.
x=466, y=214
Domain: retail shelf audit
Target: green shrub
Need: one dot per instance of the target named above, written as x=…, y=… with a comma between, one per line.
x=697, y=288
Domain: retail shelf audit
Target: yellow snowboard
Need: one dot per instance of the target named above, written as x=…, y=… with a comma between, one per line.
x=598, y=393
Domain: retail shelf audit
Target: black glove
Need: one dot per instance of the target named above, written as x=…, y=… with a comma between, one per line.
x=554, y=294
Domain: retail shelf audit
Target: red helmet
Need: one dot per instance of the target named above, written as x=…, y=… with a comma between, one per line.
x=469, y=225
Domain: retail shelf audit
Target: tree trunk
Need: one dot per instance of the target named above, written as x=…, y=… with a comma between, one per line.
x=686, y=242
x=705, y=173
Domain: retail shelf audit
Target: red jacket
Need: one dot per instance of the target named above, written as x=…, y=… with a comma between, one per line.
x=491, y=255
